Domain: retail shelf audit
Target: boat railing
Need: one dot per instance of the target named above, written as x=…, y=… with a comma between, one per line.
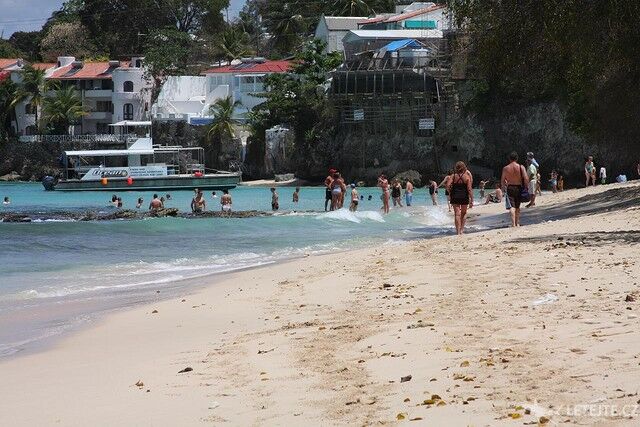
x=103, y=138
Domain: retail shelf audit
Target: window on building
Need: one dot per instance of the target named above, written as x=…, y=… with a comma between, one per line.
x=127, y=86
x=127, y=112
x=30, y=108
x=138, y=63
x=104, y=106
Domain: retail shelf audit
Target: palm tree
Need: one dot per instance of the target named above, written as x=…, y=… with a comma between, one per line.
x=222, y=131
x=233, y=44
x=32, y=88
x=7, y=91
x=62, y=109
x=352, y=7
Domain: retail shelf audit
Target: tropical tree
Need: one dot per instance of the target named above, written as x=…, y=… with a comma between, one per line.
x=352, y=7
x=32, y=89
x=222, y=131
x=234, y=43
x=7, y=90
x=62, y=109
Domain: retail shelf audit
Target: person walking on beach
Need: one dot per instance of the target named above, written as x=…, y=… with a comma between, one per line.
x=461, y=191
x=198, y=204
x=446, y=182
x=532, y=173
x=296, y=195
x=589, y=171
x=155, y=203
x=408, y=193
x=603, y=175
x=274, y=199
x=514, y=178
x=383, y=183
x=327, y=191
x=560, y=183
x=396, y=192
x=354, y=199
x=433, y=192
x=226, y=201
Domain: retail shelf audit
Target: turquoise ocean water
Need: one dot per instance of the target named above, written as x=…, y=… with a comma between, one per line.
x=57, y=274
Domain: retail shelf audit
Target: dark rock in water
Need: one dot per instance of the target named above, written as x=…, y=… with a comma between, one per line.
x=124, y=214
x=161, y=213
x=15, y=218
x=233, y=214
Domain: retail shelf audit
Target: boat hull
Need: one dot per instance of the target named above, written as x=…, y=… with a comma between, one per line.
x=205, y=182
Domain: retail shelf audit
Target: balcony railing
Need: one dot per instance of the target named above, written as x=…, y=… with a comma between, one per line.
x=105, y=138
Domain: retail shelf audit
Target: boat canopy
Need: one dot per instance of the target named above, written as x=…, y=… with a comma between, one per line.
x=108, y=153
x=129, y=123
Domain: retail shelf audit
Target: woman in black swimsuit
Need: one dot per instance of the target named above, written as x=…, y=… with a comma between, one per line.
x=461, y=191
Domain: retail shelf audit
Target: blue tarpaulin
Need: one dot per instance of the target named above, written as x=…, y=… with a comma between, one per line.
x=401, y=44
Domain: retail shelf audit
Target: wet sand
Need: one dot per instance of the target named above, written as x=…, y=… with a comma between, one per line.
x=502, y=327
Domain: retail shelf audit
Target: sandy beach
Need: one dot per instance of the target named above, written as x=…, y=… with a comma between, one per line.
x=527, y=326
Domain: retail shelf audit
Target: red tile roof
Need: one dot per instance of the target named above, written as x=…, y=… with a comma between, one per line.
x=7, y=62
x=253, y=68
x=403, y=16
x=89, y=70
x=43, y=65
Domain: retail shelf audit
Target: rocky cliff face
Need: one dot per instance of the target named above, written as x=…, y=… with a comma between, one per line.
x=30, y=161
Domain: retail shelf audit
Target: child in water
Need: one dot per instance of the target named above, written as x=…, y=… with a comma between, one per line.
x=274, y=199
x=354, y=199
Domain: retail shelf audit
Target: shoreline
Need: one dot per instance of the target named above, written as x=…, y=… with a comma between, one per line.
x=304, y=341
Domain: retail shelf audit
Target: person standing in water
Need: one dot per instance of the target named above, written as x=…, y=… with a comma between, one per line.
x=226, y=201
x=481, y=187
x=355, y=199
x=274, y=199
x=6, y=201
x=198, y=204
x=446, y=182
x=408, y=193
x=383, y=183
x=396, y=192
x=461, y=191
x=327, y=190
x=514, y=177
x=433, y=192
x=337, y=189
x=140, y=202
x=296, y=195
x=155, y=203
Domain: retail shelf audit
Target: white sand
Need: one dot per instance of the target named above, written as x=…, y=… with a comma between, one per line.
x=323, y=340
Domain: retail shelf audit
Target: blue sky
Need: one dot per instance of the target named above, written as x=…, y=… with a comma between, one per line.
x=30, y=15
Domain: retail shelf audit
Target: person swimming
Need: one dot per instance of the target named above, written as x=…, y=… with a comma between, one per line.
x=140, y=202
x=6, y=201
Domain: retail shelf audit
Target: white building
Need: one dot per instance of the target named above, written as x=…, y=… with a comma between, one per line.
x=424, y=16
x=110, y=91
x=189, y=98
x=332, y=29
x=359, y=41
